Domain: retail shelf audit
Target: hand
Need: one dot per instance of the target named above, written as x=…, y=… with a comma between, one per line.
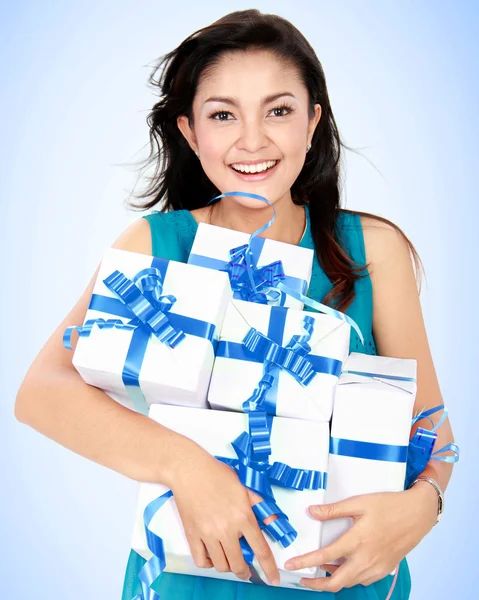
x=386, y=526
x=215, y=509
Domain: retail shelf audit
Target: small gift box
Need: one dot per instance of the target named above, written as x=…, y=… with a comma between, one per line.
x=370, y=431
x=255, y=266
x=296, y=473
x=297, y=356
x=151, y=330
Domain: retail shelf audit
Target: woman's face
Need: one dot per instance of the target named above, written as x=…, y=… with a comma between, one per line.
x=251, y=112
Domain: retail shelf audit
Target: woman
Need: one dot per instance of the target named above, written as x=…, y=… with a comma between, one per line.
x=245, y=107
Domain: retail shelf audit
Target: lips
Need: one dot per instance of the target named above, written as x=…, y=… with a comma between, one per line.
x=255, y=176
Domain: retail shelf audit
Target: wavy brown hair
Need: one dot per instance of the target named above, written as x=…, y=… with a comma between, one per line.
x=177, y=74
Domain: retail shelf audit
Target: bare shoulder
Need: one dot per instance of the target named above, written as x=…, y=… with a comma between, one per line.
x=385, y=243
x=53, y=356
x=135, y=238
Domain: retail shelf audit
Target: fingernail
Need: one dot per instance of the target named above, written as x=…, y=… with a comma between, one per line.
x=275, y=582
x=289, y=565
x=315, y=509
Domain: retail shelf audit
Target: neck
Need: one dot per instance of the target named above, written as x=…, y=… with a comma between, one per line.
x=288, y=226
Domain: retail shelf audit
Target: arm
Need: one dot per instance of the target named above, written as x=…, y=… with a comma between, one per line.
x=387, y=526
x=399, y=330
x=213, y=504
x=54, y=400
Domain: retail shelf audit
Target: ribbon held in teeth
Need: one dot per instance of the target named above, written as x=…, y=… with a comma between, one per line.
x=141, y=301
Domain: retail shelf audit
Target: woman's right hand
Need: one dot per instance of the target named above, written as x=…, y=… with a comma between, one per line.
x=215, y=509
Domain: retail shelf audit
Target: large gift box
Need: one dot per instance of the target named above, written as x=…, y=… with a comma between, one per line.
x=227, y=250
x=370, y=431
x=298, y=356
x=298, y=444
x=151, y=330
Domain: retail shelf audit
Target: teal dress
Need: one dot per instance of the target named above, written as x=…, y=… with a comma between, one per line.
x=172, y=237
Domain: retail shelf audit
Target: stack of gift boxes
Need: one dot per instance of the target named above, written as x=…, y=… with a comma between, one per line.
x=217, y=351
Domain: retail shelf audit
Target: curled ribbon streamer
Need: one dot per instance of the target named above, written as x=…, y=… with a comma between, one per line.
x=153, y=568
x=421, y=446
x=323, y=308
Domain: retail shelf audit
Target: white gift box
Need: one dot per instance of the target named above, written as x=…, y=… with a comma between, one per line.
x=212, y=245
x=372, y=418
x=237, y=372
x=172, y=375
x=214, y=431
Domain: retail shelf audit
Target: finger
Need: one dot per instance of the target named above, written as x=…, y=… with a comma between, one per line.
x=344, y=576
x=329, y=568
x=235, y=559
x=351, y=507
x=198, y=552
x=341, y=548
x=217, y=555
x=262, y=552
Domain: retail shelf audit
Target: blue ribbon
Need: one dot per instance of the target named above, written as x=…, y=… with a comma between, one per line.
x=153, y=568
x=244, y=270
x=421, y=446
x=248, y=281
x=295, y=358
x=416, y=454
x=256, y=474
x=141, y=301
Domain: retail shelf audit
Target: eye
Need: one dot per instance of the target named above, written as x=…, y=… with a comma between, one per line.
x=283, y=107
x=219, y=112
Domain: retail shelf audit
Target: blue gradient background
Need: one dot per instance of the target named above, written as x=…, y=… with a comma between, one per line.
x=403, y=83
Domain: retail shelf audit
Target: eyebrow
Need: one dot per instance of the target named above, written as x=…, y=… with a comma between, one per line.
x=234, y=101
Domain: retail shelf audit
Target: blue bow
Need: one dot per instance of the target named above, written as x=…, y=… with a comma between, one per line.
x=421, y=446
x=294, y=358
x=141, y=301
x=253, y=283
x=256, y=474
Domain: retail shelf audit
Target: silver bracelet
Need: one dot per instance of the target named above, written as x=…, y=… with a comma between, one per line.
x=440, y=494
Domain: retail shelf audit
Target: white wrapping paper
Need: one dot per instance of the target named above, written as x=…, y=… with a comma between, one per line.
x=177, y=375
x=213, y=242
x=377, y=410
x=233, y=380
x=214, y=431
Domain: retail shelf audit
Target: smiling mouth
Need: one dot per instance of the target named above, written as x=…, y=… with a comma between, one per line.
x=271, y=164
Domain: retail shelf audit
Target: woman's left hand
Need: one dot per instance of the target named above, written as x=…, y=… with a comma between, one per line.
x=386, y=526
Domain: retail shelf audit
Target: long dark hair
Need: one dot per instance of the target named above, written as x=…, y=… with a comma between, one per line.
x=318, y=185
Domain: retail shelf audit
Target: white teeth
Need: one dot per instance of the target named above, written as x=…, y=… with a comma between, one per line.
x=254, y=168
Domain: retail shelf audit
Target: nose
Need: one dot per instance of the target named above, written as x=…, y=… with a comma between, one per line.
x=252, y=136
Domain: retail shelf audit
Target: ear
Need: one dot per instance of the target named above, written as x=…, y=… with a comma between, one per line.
x=189, y=134
x=314, y=121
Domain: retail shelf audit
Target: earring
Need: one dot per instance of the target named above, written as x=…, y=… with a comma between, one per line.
x=308, y=148
x=197, y=154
